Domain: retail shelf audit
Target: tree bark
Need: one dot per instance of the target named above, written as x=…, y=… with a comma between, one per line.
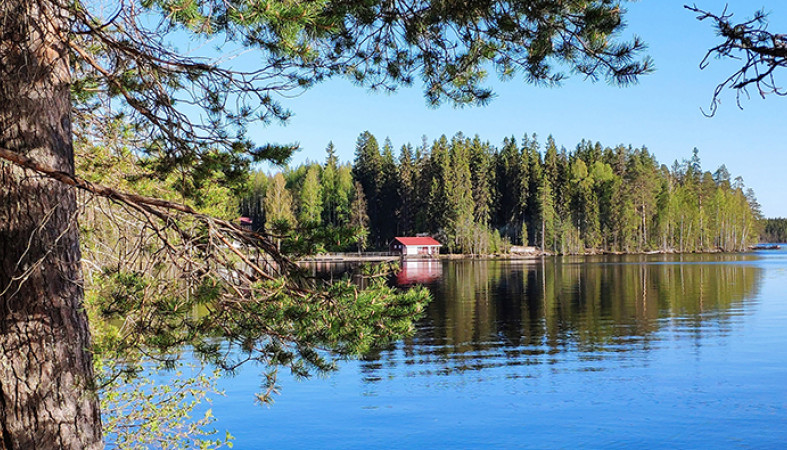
x=47, y=395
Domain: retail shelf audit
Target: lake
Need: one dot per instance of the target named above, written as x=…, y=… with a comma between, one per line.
x=623, y=351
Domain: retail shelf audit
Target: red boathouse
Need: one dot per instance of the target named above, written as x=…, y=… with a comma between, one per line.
x=413, y=246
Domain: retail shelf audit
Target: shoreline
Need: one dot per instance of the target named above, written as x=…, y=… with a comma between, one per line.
x=381, y=257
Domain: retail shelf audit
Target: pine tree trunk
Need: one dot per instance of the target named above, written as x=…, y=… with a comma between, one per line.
x=47, y=398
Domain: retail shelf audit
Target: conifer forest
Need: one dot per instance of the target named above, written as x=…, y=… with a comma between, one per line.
x=478, y=198
x=774, y=230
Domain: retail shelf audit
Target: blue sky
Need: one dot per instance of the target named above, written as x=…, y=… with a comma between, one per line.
x=662, y=112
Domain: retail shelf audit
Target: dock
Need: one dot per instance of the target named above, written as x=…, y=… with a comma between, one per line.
x=351, y=257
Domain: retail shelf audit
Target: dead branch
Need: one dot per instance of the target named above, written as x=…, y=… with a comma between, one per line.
x=760, y=51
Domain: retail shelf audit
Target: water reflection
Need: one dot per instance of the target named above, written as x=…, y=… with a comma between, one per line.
x=566, y=313
x=419, y=272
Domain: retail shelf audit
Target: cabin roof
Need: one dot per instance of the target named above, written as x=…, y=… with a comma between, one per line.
x=417, y=241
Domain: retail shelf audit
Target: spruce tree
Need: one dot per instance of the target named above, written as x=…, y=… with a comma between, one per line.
x=330, y=187
x=406, y=180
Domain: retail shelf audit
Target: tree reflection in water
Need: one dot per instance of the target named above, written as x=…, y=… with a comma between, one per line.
x=570, y=313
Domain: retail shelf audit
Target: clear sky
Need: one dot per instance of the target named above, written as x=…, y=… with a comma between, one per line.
x=662, y=112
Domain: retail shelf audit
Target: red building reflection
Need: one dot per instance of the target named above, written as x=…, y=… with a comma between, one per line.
x=419, y=272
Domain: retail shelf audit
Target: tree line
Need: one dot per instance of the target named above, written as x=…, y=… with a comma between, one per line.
x=477, y=198
x=774, y=230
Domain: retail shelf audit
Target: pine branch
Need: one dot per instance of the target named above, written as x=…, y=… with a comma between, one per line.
x=760, y=51
x=158, y=207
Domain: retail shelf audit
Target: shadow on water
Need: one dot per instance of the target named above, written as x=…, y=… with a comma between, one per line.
x=569, y=313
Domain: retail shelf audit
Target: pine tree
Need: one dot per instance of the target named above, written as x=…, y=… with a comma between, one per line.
x=330, y=189
x=722, y=177
x=642, y=185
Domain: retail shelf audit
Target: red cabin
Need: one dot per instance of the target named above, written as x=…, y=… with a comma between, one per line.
x=412, y=246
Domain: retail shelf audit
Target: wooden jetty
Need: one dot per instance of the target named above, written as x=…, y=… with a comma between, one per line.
x=351, y=257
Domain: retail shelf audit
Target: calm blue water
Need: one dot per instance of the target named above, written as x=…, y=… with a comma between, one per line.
x=658, y=351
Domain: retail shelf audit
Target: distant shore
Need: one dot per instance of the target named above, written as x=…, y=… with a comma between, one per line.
x=529, y=255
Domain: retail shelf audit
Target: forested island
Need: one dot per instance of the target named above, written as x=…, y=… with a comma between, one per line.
x=477, y=198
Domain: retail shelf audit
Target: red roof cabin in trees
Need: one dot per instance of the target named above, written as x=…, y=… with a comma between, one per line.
x=415, y=246
x=246, y=223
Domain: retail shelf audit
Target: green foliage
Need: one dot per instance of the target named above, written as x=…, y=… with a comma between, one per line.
x=336, y=187
x=368, y=172
x=142, y=318
x=138, y=314
x=349, y=321
x=380, y=44
x=252, y=204
x=310, y=210
x=359, y=219
x=774, y=230
x=279, y=216
x=405, y=181
x=156, y=408
x=473, y=197
x=154, y=289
